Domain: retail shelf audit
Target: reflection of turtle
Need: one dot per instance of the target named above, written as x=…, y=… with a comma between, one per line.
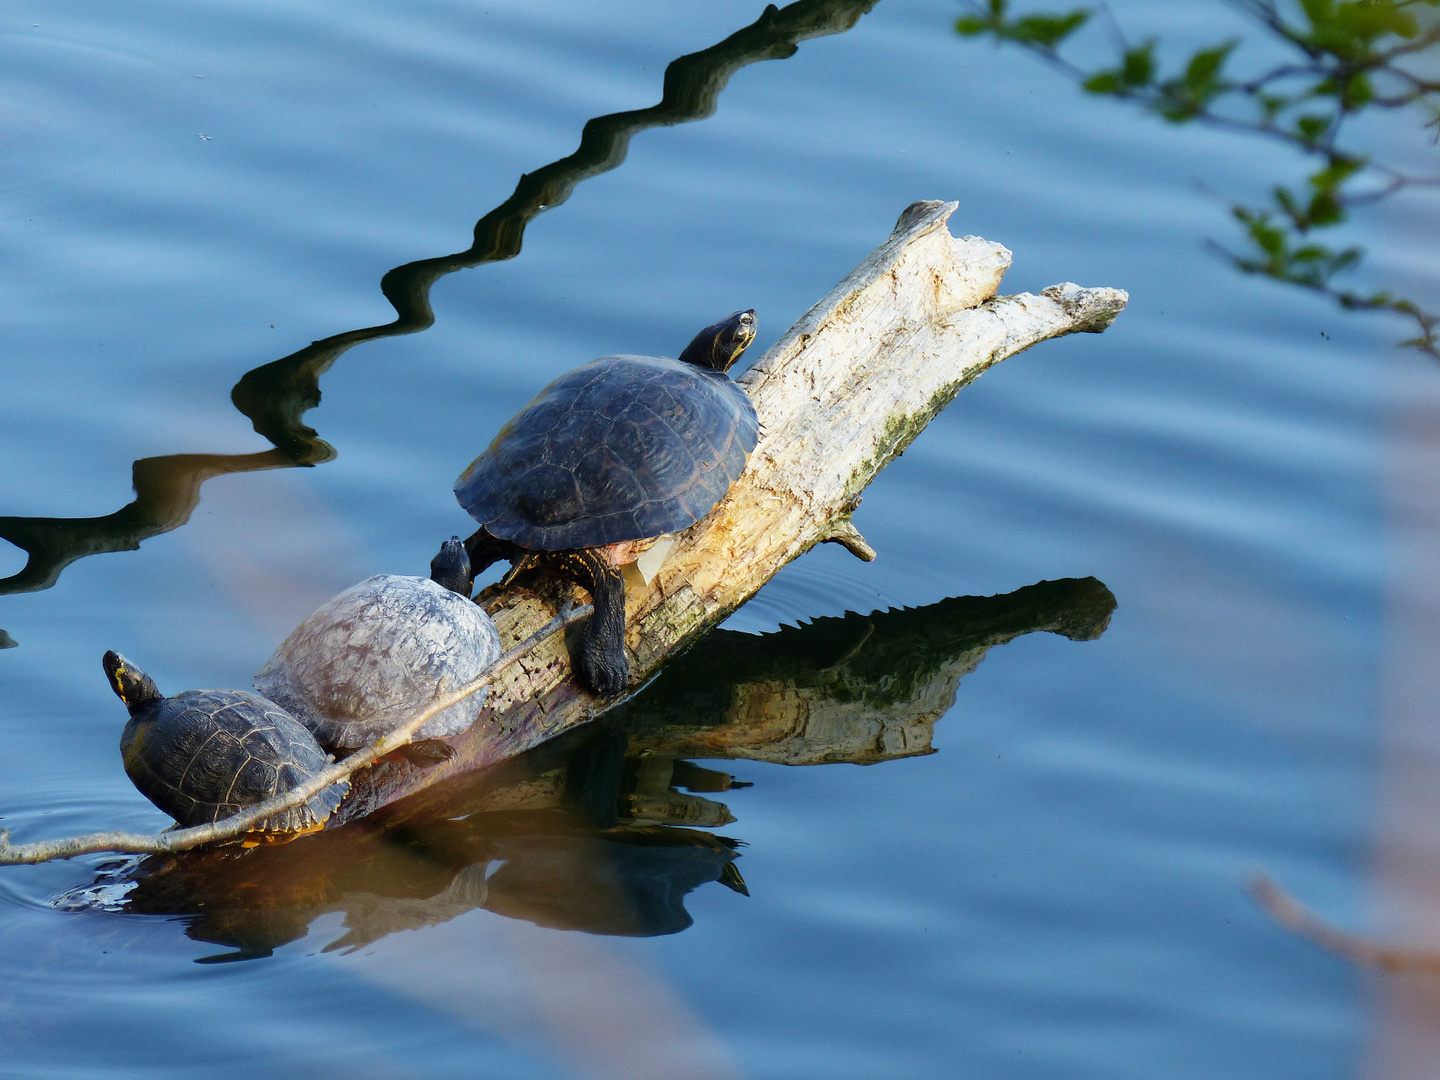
x=206, y=754
x=372, y=657
x=624, y=449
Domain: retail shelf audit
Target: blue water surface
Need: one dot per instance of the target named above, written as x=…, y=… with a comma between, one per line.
x=191, y=191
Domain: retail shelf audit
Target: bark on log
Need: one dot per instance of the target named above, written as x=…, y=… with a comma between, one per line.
x=845, y=390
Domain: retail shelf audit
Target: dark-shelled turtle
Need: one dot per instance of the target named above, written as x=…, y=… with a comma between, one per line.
x=622, y=450
x=369, y=659
x=203, y=755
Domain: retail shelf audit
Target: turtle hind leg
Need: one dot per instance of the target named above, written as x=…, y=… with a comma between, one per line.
x=600, y=661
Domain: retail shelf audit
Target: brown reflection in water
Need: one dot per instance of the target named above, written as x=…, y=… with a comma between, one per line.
x=1404, y=951
x=276, y=396
x=1405, y=1040
x=605, y=828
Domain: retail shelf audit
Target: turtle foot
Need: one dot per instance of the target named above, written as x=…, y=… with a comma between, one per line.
x=427, y=753
x=599, y=659
x=605, y=671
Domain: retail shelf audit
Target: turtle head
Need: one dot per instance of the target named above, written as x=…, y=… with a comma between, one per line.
x=720, y=344
x=451, y=568
x=130, y=684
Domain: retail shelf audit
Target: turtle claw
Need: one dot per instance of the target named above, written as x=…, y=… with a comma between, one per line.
x=602, y=671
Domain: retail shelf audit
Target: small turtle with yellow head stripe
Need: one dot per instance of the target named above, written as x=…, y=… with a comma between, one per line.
x=203, y=755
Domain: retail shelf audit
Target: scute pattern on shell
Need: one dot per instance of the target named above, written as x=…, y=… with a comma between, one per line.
x=624, y=448
x=369, y=659
x=207, y=754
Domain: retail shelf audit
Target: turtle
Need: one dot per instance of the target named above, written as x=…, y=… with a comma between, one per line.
x=203, y=755
x=603, y=461
x=369, y=659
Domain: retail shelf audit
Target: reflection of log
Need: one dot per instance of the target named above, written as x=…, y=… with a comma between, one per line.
x=544, y=869
x=858, y=689
x=539, y=839
x=839, y=396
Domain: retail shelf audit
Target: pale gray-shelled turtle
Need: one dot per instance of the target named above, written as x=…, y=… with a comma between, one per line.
x=622, y=450
x=203, y=755
x=374, y=656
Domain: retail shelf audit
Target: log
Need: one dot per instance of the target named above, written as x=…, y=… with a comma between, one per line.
x=840, y=395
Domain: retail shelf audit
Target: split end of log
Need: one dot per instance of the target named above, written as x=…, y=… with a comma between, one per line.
x=1089, y=311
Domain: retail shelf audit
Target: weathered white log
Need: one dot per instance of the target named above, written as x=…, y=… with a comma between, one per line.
x=839, y=396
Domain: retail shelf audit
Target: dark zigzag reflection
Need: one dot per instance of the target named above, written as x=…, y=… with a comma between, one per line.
x=276, y=395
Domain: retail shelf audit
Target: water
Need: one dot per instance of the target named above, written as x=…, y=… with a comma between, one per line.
x=192, y=193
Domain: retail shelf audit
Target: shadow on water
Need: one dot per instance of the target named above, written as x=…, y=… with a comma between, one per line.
x=605, y=829
x=276, y=396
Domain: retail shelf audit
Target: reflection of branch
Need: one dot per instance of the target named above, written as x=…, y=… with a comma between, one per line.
x=276, y=395
x=1292, y=915
x=167, y=490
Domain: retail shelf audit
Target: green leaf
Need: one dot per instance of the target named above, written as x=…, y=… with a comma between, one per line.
x=1189, y=96
x=1356, y=91
x=1324, y=209
x=1346, y=258
x=1311, y=128
x=1341, y=167
x=1104, y=82
x=1204, y=67
x=1368, y=20
x=1287, y=202
x=1139, y=65
x=1047, y=31
x=1273, y=104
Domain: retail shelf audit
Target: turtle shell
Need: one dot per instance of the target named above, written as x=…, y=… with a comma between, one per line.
x=206, y=754
x=624, y=448
x=369, y=659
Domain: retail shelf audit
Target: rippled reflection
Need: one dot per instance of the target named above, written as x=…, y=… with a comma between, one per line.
x=276, y=396
x=606, y=828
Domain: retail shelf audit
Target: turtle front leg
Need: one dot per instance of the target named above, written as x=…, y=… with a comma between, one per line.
x=600, y=660
x=485, y=549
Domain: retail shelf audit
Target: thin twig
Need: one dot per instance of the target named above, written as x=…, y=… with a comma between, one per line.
x=231, y=827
